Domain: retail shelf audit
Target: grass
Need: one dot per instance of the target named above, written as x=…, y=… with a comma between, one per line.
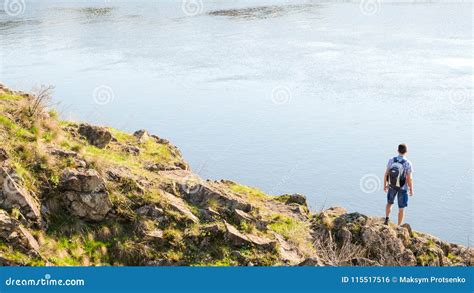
x=295, y=231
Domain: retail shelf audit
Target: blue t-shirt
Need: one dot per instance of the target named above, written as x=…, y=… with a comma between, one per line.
x=407, y=167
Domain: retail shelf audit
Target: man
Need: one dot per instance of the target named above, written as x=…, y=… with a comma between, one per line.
x=398, y=179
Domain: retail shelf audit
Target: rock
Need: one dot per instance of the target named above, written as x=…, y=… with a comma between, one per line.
x=142, y=135
x=63, y=153
x=178, y=205
x=155, y=235
x=3, y=155
x=289, y=254
x=13, y=195
x=313, y=261
x=408, y=228
x=160, y=140
x=131, y=149
x=240, y=216
x=344, y=235
x=150, y=211
x=407, y=258
x=95, y=135
x=295, y=198
x=85, y=194
x=361, y=262
x=13, y=233
x=82, y=181
x=239, y=239
x=209, y=214
x=156, y=167
x=202, y=194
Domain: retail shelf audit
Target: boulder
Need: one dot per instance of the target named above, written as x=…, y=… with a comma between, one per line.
x=14, y=234
x=142, y=135
x=85, y=194
x=313, y=261
x=239, y=239
x=295, y=198
x=95, y=135
x=150, y=211
x=178, y=205
x=13, y=195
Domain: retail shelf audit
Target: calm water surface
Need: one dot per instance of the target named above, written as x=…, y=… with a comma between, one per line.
x=301, y=96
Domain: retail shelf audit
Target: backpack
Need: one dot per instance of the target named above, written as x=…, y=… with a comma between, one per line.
x=396, y=174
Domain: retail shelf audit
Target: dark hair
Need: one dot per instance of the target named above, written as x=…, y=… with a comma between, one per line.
x=402, y=148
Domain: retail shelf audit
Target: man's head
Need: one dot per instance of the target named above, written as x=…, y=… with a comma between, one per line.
x=402, y=149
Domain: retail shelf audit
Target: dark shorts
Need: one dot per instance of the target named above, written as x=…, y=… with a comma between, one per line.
x=402, y=197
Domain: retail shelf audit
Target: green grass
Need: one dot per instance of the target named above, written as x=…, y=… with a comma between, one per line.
x=9, y=97
x=251, y=192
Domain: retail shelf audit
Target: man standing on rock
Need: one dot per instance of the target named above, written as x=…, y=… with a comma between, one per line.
x=397, y=180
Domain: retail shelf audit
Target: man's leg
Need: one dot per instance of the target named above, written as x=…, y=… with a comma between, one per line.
x=388, y=209
x=401, y=214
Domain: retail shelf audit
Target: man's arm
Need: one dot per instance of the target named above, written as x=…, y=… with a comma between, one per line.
x=385, y=183
x=410, y=183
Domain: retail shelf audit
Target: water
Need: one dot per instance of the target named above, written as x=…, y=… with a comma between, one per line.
x=302, y=96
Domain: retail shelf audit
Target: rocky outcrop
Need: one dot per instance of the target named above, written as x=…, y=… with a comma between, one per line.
x=132, y=200
x=14, y=196
x=85, y=194
x=95, y=135
x=16, y=235
x=381, y=244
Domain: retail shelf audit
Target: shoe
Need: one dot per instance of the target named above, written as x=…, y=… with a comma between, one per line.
x=386, y=221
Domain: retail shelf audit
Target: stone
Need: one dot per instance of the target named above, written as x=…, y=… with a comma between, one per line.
x=151, y=211
x=178, y=205
x=344, y=235
x=296, y=198
x=156, y=167
x=239, y=239
x=313, y=261
x=142, y=135
x=82, y=181
x=361, y=262
x=63, y=153
x=155, y=235
x=240, y=216
x=131, y=149
x=3, y=155
x=95, y=135
x=209, y=214
x=13, y=195
x=13, y=233
x=85, y=194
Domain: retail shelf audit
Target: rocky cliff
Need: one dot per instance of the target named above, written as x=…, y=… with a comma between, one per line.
x=77, y=194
